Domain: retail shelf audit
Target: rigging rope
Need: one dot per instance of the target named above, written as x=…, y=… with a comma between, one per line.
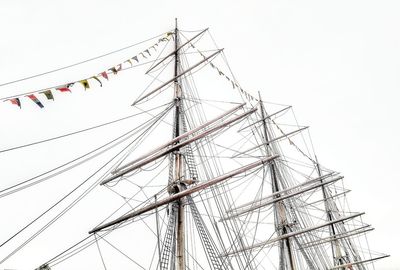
x=101, y=255
x=62, y=199
x=81, y=62
x=79, y=131
x=16, y=187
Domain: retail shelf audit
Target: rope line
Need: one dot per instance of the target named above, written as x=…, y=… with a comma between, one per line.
x=79, y=131
x=80, y=62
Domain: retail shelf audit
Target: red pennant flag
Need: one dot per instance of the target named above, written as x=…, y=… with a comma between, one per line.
x=15, y=101
x=63, y=89
x=34, y=99
x=104, y=74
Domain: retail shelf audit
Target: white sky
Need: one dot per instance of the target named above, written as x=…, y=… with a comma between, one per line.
x=336, y=62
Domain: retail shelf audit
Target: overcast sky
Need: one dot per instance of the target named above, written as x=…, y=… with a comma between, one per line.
x=336, y=62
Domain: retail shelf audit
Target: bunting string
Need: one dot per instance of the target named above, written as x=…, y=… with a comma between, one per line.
x=292, y=143
x=234, y=83
x=86, y=83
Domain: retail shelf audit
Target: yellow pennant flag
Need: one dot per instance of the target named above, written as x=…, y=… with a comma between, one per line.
x=85, y=84
x=129, y=61
x=48, y=94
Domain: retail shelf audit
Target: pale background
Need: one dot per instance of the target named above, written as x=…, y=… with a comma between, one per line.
x=336, y=62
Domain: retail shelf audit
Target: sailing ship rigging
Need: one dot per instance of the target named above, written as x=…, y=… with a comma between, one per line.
x=208, y=183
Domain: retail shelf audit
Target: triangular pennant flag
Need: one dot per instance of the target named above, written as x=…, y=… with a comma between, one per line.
x=114, y=70
x=48, y=94
x=119, y=67
x=212, y=65
x=135, y=58
x=104, y=75
x=85, y=84
x=34, y=99
x=97, y=79
x=129, y=61
x=64, y=89
x=15, y=101
x=147, y=51
x=229, y=79
x=142, y=54
x=220, y=72
x=156, y=44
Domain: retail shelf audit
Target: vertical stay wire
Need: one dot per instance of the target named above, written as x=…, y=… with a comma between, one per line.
x=101, y=255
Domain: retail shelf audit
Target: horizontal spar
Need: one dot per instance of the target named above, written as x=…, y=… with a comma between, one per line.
x=176, y=77
x=312, y=181
x=336, y=237
x=357, y=262
x=184, y=193
x=272, y=140
x=180, y=137
x=292, y=234
x=177, y=146
x=281, y=198
x=265, y=118
x=173, y=53
x=324, y=200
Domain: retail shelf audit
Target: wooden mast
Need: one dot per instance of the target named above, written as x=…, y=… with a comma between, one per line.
x=280, y=211
x=180, y=226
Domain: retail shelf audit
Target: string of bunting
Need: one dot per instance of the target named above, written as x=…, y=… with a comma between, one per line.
x=250, y=97
x=293, y=144
x=86, y=83
x=235, y=85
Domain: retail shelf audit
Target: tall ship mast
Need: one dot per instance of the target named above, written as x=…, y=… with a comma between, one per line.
x=199, y=182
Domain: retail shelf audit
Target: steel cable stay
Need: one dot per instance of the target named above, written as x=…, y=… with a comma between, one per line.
x=62, y=256
x=101, y=255
x=204, y=162
x=80, y=197
x=69, y=165
x=81, y=130
x=282, y=205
